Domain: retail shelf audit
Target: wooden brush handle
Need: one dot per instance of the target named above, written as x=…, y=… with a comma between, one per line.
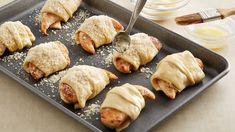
x=227, y=12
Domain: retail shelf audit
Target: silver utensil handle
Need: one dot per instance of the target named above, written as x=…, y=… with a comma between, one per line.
x=138, y=8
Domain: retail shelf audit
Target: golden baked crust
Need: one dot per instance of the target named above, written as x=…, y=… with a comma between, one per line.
x=141, y=51
x=127, y=99
x=99, y=28
x=15, y=36
x=178, y=70
x=48, y=57
x=86, y=81
x=62, y=8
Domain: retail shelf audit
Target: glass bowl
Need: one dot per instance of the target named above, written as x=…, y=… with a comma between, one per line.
x=212, y=35
x=162, y=9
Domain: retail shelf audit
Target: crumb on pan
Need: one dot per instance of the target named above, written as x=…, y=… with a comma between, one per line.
x=147, y=71
x=90, y=110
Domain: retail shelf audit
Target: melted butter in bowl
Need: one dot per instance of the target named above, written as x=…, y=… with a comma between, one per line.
x=212, y=35
x=210, y=32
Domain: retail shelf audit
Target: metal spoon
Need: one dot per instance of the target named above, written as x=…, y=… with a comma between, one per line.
x=122, y=39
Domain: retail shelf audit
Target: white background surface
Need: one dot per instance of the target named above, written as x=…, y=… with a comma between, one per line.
x=213, y=110
x=4, y=2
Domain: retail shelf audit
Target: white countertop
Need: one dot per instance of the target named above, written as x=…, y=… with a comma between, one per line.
x=4, y=2
x=213, y=110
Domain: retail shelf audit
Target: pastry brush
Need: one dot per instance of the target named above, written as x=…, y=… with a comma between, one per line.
x=205, y=16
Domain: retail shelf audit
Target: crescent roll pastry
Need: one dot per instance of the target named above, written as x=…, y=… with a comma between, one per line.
x=15, y=36
x=97, y=31
x=142, y=50
x=46, y=58
x=55, y=11
x=177, y=71
x=123, y=104
x=82, y=83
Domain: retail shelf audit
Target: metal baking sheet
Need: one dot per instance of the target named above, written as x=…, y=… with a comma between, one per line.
x=155, y=111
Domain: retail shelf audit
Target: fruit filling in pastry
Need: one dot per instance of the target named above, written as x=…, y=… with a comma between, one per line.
x=82, y=83
x=97, y=31
x=177, y=71
x=46, y=59
x=142, y=50
x=123, y=104
x=55, y=11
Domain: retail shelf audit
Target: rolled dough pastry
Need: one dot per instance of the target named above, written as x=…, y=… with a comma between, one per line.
x=48, y=57
x=86, y=81
x=62, y=8
x=141, y=51
x=179, y=69
x=15, y=36
x=127, y=99
x=99, y=28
